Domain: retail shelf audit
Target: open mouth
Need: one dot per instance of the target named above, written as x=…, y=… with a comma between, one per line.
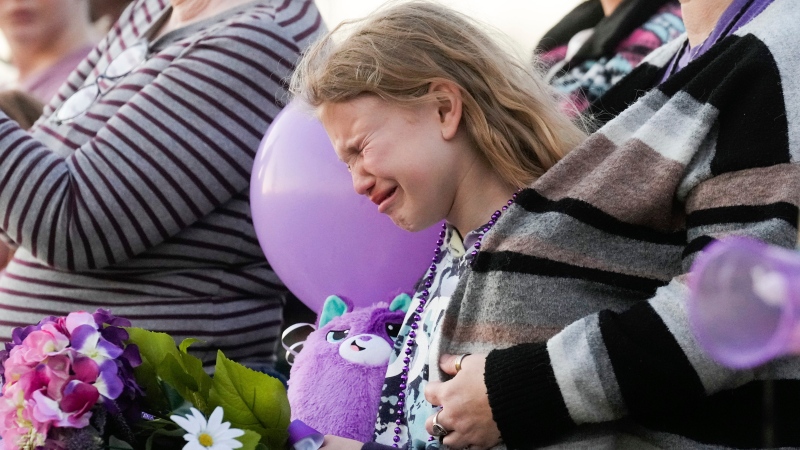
x=383, y=204
x=356, y=347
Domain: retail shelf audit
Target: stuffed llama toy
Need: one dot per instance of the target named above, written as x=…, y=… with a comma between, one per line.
x=336, y=379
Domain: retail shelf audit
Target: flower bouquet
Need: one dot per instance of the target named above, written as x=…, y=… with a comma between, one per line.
x=91, y=381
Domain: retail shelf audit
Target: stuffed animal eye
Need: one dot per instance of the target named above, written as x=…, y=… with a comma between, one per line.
x=392, y=329
x=337, y=335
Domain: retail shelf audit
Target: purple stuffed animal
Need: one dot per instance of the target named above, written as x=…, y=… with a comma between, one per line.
x=336, y=380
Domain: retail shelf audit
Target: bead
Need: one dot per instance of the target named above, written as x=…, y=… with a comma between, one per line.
x=395, y=446
x=430, y=438
x=396, y=438
x=514, y=195
x=423, y=298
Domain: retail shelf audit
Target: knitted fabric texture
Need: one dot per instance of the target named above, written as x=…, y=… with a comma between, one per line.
x=591, y=262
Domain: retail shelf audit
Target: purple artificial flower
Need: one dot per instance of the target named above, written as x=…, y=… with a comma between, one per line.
x=115, y=335
x=104, y=316
x=108, y=382
x=87, y=341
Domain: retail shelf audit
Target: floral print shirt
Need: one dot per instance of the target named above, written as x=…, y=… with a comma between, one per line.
x=451, y=264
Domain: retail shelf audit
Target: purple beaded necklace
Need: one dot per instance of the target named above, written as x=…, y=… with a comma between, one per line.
x=423, y=299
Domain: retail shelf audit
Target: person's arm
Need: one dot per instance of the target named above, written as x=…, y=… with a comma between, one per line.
x=179, y=148
x=644, y=362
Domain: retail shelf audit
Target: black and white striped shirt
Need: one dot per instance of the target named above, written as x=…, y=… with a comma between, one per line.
x=141, y=204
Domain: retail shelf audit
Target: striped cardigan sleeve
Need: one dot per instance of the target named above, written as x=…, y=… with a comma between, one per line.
x=744, y=179
x=175, y=150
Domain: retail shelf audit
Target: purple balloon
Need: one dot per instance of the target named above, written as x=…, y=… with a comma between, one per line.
x=744, y=303
x=319, y=236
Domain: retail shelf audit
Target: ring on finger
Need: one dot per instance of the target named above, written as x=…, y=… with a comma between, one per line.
x=459, y=360
x=438, y=429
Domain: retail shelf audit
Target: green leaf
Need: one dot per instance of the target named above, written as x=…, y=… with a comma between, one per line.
x=184, y=347
x=118, y=444
x=153, y=347
x=163, y=438
x=174, y=374
x=249, y=440
x=177, y=404
x=194, y=367
x=162, y=360
x=251, y=401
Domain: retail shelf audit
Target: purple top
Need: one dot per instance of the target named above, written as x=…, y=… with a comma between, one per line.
x=738, y=14
x=44, y=84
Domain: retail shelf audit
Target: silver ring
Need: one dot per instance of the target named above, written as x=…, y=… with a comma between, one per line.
x=438, y=430
x=459, y=360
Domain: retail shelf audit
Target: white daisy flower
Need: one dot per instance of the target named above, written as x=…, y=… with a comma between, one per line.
x=212, y=435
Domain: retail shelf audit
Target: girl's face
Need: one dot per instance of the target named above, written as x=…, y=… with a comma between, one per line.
x=403, y=159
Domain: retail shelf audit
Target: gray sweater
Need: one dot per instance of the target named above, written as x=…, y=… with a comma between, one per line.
x=582, y=284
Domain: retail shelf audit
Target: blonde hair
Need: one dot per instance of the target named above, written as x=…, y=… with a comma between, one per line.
x=508, y=111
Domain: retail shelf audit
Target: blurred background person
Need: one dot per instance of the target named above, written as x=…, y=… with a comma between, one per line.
x=132, y=191
x=601, y=41
x=104, y=13
x=46, y=39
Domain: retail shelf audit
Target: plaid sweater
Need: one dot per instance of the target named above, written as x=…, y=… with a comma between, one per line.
x=582, y=283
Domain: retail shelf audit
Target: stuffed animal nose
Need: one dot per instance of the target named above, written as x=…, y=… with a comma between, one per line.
x=365, y=338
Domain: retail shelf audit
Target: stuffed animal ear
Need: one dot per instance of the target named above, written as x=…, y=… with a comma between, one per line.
x=401, y=302
x=334, y=307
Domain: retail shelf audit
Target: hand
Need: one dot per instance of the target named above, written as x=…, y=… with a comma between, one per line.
x=466, y=413
x=332, y=442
